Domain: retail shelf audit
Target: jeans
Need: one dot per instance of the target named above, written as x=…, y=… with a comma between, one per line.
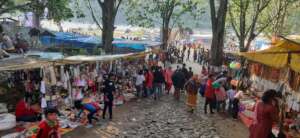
x=177, y=93
x=235, y=108
x=208, y=101
x=90, y=116
x=221, y=106
x=148, y=91
x=157, y=90
x=139, y=89
x=109, y=105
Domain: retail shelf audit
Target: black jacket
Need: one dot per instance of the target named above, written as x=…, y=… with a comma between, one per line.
x=158, y=77
x=178, y=79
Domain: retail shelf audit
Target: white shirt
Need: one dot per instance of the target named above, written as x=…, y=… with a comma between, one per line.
x=139, y=79
x=231, y=93
x=43, y=87
x=43, y=103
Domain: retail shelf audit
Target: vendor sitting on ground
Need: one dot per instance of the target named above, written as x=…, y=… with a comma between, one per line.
x=21, y=44
x=26, y=112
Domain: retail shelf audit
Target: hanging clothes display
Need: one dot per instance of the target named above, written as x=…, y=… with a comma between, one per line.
x=62, y=74
x=52, y=75
x=43, y=87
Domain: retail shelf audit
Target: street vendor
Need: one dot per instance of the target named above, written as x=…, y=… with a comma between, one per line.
x=92, y=108
x=27, y=112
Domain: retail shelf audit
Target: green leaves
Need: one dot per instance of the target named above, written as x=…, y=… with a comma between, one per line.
x=10, y=6
x=59, y=10
x=152, y=13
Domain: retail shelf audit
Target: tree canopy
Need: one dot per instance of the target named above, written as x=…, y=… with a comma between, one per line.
x=250, y=18
x=8, y=6
x=164, y=13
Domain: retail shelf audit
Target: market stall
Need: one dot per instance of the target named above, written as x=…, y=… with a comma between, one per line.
x=57, y=80
x=276, y=68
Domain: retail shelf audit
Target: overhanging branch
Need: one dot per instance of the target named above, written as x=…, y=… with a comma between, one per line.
x=233, y=23
x=93, y=15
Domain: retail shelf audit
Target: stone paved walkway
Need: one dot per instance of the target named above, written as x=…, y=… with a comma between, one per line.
x=164, y=118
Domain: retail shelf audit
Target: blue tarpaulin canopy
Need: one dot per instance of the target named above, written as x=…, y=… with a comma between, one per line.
x=87, y=42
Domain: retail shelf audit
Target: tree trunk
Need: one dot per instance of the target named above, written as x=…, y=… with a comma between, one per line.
x=218, y=29
x=165, y=34
x=36, y=20
x=242, y=44
x=108, y=21
x=249, y=41
x=217, y=50
x=242, y=27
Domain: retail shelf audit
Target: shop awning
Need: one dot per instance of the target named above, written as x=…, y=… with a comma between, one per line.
x=96, y=58
x=22, y=63
x=285, y=53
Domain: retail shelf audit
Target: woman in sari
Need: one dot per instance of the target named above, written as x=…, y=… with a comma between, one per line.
x=192, y=87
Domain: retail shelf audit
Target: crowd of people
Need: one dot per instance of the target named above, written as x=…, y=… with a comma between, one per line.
x=147, y=80
x=222, y=95
x=180, y=55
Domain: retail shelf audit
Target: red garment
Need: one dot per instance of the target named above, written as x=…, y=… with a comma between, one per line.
x=168, y=86
x=149, y=79
x=209, y=90
x=23, y=110
x=168, y=76
x=45, y=131
x=265, y=115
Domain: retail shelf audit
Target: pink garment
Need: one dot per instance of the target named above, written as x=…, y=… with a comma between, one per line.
x=220, y=94
x=168, y=76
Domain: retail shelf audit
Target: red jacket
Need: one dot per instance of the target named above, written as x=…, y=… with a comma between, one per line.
x=149, y=79
x=22, y=110
x=209, y=91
